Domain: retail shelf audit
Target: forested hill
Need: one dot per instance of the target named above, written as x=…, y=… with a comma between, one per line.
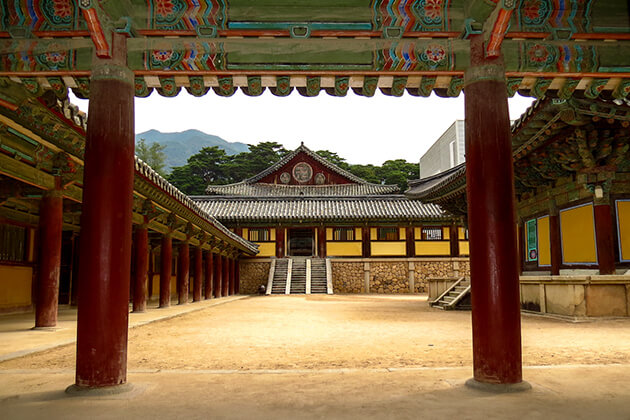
x=180, y=146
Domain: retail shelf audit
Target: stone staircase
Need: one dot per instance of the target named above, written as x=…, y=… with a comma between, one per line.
x=318, y=276
x=279, y=285
x=455, y=297
x=298, y=276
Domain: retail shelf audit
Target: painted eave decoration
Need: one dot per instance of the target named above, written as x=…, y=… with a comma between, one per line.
x=418, y=47
x=574, y=138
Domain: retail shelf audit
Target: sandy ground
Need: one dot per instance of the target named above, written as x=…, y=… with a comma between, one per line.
x=329, y=332
x=331, y=357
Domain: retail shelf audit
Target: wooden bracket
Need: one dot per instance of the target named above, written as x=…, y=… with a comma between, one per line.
x=496, y=26
x=95, y=26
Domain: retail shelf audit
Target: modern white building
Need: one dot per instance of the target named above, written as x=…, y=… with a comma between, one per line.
x=448, y=151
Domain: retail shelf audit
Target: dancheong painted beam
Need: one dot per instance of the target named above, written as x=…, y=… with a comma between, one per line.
x=394, y=45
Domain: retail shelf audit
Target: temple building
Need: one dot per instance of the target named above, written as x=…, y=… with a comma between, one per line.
x=572, y=180
x=306, y=208
x=178, y=248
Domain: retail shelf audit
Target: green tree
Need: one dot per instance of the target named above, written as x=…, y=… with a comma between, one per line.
x=334, y=158
x=153, y=155
x=366, y=172
x=398, y=171
x=204, y=168
x=260, y=157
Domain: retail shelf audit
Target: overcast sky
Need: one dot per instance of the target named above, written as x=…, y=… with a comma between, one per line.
x=361, y=130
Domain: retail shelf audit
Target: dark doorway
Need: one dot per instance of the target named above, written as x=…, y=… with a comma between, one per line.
x=301, y=242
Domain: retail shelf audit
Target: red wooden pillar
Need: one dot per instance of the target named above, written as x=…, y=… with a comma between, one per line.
x=142, y=268
x=321, y=241
x=237, y=276
x=225, y=283
x=104, y=272
x=604, y=236
x=50, y=228
x=496, y=321
x=410, y=242
x=218, y=276
x=365, y=239
x=198, y=272
x=555, y=242
x=183, y=270
x=150, y=273
x=280, y=251
x=166, y=267
x=208, y=275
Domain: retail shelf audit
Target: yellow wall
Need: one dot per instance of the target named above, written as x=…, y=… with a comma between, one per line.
x=343, y=249
x=272, y=234
x=384, y=248
x=402, y=234
x=15, y=286
x=246, y=233
x=578, y=235
x=267, y=249
x=623, y=221
x=544, y=244
x=461, y=232
x=329, y=234
x=357, y=234
x=433, y=248
x=174, y=285
x=417, y=233
x=464, y=248
x=373, y=234
x=446, y=233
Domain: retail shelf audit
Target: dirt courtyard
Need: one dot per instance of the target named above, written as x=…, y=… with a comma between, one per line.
x=342, y=331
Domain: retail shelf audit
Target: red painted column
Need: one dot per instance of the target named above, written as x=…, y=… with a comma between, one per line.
x=496, y=321
x=225, y=283
x=183, y=271
x=321, y=241
x=208, y=275
x=50, y=228
x=521, y=247
x=454, y=239
x=410, y=242
x=280, y=251
x=142, y=268
x=150, y=274
x=555, y=241
x=218, y=276
x=198, y=273
x=237, y=277
x=366, y=248
x=604, y=237
x=105, y=267
x=166, y=267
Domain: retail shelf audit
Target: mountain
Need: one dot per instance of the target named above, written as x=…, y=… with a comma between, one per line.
x=180, y=146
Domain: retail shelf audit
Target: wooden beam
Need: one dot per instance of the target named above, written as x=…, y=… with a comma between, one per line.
x=28, y=174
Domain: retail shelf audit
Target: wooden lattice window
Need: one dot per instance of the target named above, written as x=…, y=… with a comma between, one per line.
x=388, y=234
x=13, y=243
x=432, y=233
x=259, y=235
x=343, y=234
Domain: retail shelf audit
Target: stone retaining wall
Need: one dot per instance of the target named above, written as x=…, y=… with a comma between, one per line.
x=348, y=277
x=392, y=275
x=389, y=277
x=253, y=274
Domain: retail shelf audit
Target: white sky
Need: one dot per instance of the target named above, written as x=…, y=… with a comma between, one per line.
x=361, y=130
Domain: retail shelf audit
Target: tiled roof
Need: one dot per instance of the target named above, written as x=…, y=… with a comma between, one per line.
x=143, y=169
x=421, y=188
x=252, y=188
x=278, y=190
x=295, y=209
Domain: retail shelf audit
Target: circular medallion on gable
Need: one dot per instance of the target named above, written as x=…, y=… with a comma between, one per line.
x=285, y=177
x=302, y=172
x=320, y=179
